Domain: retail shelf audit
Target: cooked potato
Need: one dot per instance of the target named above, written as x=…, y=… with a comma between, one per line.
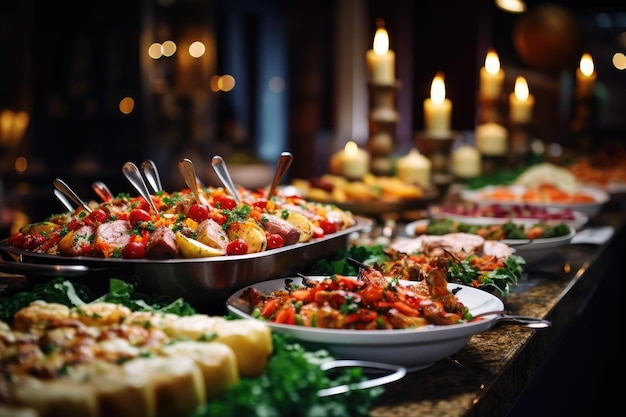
x=211, y=234
x=191, y=248
x=251, y=232
x=301, y=223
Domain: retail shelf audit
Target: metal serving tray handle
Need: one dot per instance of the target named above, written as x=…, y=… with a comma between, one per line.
x=397, y=372
x=45, y=270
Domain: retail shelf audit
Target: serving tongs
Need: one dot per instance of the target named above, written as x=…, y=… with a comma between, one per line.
x=222, y=173
x=60, y=185
x=132, y=174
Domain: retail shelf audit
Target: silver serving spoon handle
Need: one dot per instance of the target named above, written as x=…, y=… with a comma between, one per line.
x=63, y=199
x=102, y=190
x=526, y=321
x=60, y=185
x=150, y=172
x=132, y=174
x=284, y=162
x=188, y=171
x=222, y=172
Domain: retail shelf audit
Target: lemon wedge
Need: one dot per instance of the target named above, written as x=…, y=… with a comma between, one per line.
x=191, y=248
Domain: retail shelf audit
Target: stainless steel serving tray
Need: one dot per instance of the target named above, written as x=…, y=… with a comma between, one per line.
x=204, y=282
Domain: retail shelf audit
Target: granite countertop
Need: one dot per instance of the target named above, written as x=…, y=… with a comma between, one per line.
x=487, y=376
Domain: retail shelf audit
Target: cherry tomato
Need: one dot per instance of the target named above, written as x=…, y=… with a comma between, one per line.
x=138, y=215
x=328, y=226
x=96, y=216
x=134, y=250
x=275, y=241
x=237, y=247
x=198, y=212
x=16, y=240
x=260, y=203
x=224, y=202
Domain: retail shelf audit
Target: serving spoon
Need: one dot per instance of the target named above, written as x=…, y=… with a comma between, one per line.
x=150, y=172
x=526, y=321
x=132, y=174
x=60, y=185
x=222, y=172
x=102, y=190
x=63, y=199
x=284, y=162
x=188, y=171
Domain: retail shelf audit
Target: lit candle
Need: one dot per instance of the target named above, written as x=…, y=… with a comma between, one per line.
x=521, y=103
x=414, y=168
x=491, y=139
x=381, y=61
x=437, y=108
x=466, y=162
x=491, y=77
x=355, y=162
x=585, y=77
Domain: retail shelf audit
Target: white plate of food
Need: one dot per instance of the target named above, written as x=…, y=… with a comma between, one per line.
x=473, y=213
x=413, y=348
x=588, y=200
x=529, y=249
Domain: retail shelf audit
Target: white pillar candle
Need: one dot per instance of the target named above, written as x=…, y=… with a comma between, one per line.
x=414, y=168
x=491, y=77
x=585, y=77
x=381, y=61
x=491, y=139
x=437, y=109
x=466, y=162
x=521, y=103
x=355, y=161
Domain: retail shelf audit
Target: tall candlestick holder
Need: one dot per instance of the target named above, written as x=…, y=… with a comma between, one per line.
x=518, y=154
x=582, y=124
x=490, y=110
x=383, y=120
x=437, y=147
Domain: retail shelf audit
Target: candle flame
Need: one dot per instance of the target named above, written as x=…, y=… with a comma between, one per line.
x=492, y=63
x=586, y=65
x=521, y=89
x=381, y=41
x=351, y=148
x=438, y=90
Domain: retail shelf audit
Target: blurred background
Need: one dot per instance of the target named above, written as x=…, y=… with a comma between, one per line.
x=87, y=86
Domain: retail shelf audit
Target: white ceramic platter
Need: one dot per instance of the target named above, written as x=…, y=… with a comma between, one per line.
x=412, y=348
x=526, y=248
x=480, y=197
x=577, y=221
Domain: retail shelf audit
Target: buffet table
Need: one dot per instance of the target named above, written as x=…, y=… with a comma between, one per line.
x=517, y=371
x=577, y=288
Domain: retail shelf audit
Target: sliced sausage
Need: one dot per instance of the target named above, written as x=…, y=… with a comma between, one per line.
x=111, y=237
x=78, y=242
x=162, y=244
x=275, y=225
